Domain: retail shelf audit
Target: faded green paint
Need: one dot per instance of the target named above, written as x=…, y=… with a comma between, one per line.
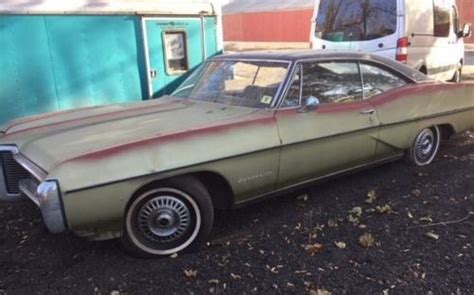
x=102, y=156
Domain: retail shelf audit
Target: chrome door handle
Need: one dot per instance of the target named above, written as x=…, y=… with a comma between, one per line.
x=368, y=112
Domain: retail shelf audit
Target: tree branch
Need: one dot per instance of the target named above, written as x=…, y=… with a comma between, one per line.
x=444, y=223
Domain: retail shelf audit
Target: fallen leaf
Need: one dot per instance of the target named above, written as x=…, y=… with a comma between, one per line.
x=332, y=223
x=353, y=220
x=367, y=240
x=319, y=292
x=313, y=249
x=174, y=255
x=214, y=281
x=190, y=273
x=340, y=245
x=302, y=198
x=426, y=219
x=371, y=196
x=357, y=211
x=384, y=209
x=416, y=192
x=410, y=215
x=432, y=235
x=235, y=277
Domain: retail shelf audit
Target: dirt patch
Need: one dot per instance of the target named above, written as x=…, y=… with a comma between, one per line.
x=394, y=229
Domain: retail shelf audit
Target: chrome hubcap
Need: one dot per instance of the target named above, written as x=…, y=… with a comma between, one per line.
x=424, y=145
x=164, y=219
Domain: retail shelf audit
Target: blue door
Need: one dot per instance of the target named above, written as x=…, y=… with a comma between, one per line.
x=175, y=46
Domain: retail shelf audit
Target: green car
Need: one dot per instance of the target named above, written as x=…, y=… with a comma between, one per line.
x=241, y=128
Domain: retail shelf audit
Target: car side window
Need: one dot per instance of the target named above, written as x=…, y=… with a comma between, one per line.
x=332, y=82
x=377, y=80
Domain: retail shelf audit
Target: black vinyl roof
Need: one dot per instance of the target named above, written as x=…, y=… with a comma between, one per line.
x=300, y=55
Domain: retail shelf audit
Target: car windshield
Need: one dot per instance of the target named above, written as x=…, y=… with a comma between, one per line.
x=356, y=20
x=235, y=82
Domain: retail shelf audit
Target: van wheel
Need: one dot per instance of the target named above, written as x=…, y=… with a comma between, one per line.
x=457, y=78
x=167, y=218
x=425, y=147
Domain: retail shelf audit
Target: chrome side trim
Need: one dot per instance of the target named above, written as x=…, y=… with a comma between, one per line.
x=31, y=167
x=29, y=187
x=316, y=180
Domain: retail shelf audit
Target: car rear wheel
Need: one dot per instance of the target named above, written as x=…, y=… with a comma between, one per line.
x=425, y=147
x=167, y=218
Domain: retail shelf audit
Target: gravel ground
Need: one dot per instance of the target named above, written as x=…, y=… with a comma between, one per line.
x=296, y=244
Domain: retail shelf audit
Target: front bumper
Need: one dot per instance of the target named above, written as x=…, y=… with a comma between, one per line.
x=44, y=193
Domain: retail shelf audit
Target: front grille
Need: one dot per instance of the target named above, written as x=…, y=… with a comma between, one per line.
x=13, y=173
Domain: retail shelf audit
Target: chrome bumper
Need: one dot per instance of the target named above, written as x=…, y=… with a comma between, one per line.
x=44, y=193
x=47, y=197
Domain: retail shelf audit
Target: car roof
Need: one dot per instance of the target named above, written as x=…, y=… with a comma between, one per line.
x=299, y=55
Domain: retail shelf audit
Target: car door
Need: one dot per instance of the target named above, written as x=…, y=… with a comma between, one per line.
x=389, y=92
x=340, y=134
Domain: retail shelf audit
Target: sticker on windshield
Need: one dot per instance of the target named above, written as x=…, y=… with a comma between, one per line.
x=266, y=99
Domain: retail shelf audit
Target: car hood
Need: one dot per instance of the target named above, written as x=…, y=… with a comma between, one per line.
x=55, y=138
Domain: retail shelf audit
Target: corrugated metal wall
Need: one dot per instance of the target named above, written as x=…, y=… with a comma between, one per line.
x=278, y=26
x=53, y=63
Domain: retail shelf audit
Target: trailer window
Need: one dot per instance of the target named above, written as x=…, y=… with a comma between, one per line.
x=356, y=20
x=176, y=52
x=442, y=21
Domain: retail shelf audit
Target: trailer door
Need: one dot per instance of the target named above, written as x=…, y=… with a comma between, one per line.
x=173, y=46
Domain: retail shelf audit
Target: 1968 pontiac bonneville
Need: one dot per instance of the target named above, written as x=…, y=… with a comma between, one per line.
x=240, y=128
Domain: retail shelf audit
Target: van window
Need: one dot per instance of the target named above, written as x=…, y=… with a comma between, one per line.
x=442, y=20
x=456, y=25
x=356, y=20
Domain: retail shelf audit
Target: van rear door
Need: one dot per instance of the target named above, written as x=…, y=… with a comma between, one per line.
x=358, y=25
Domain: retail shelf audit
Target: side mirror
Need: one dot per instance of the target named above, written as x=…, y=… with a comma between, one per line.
x=466, y=31
x=310, y=104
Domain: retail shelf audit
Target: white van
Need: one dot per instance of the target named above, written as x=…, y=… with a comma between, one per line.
x=425, y=34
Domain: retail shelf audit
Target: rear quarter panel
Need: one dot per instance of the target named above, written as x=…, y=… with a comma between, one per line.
x=404, y=112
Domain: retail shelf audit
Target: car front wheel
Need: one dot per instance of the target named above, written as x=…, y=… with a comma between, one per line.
x=167, y=218
x=425, y=147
